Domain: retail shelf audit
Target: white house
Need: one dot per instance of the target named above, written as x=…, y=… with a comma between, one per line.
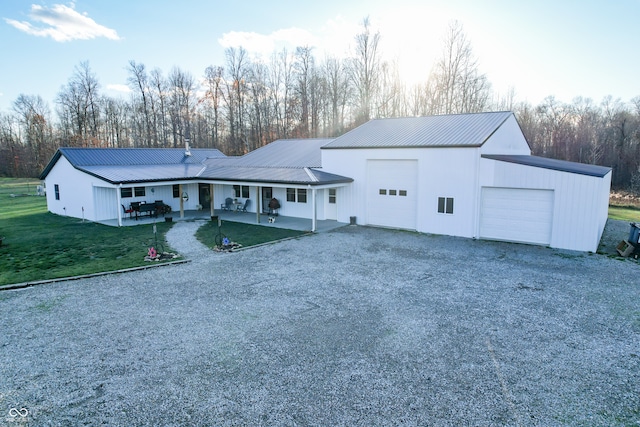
x=468, y=175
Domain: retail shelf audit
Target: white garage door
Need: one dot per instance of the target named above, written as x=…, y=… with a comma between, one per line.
x=392, y=193
x=516, y=215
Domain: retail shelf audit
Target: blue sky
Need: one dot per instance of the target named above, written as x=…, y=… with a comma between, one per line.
x=563, y=48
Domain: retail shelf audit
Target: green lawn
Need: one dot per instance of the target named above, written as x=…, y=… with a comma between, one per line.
x=624, y=213
x=244, y=234
x=39, y=245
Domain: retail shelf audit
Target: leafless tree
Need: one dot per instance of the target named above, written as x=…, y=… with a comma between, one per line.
x=365, y=69
x=456, y=84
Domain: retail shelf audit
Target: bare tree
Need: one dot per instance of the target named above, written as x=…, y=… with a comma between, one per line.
x=79, y=100
x=456, y=85
x=214, y=79
x=139, y=82
x=181, y=87
x=365, y=70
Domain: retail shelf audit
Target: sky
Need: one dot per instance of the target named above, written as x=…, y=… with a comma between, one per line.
x=560, y=48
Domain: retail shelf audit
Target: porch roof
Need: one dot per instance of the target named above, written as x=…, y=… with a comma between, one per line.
x=305, y=176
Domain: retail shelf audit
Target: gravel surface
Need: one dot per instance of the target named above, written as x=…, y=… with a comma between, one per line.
x=354, y=327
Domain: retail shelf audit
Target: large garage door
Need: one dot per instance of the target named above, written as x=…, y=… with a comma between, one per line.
x=517, y=215
x=392, y=193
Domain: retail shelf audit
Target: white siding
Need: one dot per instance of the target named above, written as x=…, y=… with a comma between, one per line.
x=580, y=201
x=507, y=139
x=441, y=172
x=76, y=191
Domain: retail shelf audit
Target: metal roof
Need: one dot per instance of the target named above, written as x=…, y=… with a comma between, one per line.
x=286, y=175
x=455, y=130
x=559, y=165
x=81, y=158
x=136, y=156
x=287, y=153
x=144, y=173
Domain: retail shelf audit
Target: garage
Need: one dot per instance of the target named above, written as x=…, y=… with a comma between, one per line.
x=517, y=215
x=392, y=193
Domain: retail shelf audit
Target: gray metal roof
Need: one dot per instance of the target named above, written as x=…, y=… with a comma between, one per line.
x=287, y=153
x=81, y=158
x=559, y=165
x=136, y=156
x=144, y=173
x=456, y=130
x=285, y=175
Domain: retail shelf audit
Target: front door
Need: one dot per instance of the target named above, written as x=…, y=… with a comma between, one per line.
x=204, y=196
x=267, y=195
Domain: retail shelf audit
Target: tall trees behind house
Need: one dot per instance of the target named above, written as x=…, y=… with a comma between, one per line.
x=247, y=102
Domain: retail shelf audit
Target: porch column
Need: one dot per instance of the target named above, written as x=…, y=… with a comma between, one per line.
x=314, y=207
x=119, y=205
x=213, y=210
x=181, y=201
x=258, y=203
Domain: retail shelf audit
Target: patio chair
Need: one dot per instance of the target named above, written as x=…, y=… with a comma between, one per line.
x=245, y=206
x=226, y=206
x=127, y=211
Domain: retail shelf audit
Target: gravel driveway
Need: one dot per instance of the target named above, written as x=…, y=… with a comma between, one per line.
x=354, y=327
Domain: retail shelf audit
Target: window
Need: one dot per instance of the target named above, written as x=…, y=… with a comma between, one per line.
x=241, y=191
x=139, y=191
x=126, y=192
x=392, y=192
x=382, y=192
x=332, y=195
x=302, y=195
x=445, y=205
x=176, y=191
x=297, y=195
x=291, y=194
x=402, y=193
x=56, y=187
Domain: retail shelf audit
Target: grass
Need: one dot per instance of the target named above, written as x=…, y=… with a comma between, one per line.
x=38, y=245
x=624, y=213
x=244, y=234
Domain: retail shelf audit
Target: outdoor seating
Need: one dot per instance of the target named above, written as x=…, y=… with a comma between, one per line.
x=127, y=211
x=226, y=206
x=143, y=208
x=243, y=208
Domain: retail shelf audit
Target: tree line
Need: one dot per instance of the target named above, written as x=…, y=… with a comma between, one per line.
x=248, y=102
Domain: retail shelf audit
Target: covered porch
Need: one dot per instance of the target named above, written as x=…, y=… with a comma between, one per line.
x=288, y=222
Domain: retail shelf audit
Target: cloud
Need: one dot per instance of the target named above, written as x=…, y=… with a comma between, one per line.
x=62, y=23
x=116, y=87
x=265, y=44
